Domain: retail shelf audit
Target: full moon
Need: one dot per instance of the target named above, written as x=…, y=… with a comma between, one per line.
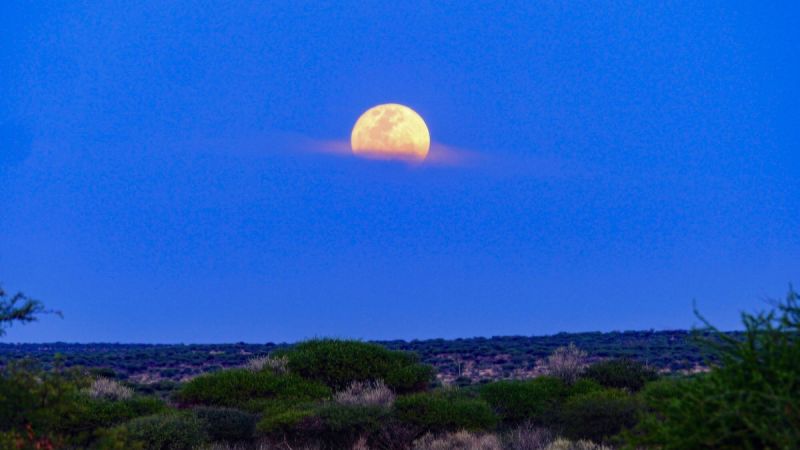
x=391, y=131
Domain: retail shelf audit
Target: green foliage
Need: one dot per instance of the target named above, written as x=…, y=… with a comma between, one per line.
x=750, y=401
x=43, y=400
x=166, y=432
x=337, y=363
x=249, y=390
x=227, y=424
x=410, y=378
x=340, y=426
x=598, y=415
x=53, y=406
x=284, y=423
x=19, y=308
x=444, y=411
x=532, y=400
x=91, y=415
x=584, y=386
x=621, y=374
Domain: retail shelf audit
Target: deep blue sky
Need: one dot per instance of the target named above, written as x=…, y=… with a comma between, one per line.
x=156, y=182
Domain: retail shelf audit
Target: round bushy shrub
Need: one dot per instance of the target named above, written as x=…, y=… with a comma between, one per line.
x=532, y=400
x=249, y=390
x=444, y=411
x=167, y=432
x=598, y=415
x=227, y=424
x=337, y=363
x=621, y=374
x=410, y=378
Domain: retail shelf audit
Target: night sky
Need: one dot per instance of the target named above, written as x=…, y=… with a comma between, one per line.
x=173, y=171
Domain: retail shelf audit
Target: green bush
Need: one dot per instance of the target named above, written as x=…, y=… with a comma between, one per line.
x=751, y=400
x=621, y=374
x=598, y=415
x=93, y=414
x=584, y=386
x=337, y=363
x=340, y=426
x=227, y=424
x=41, y=399
x=532, y=400
x=166, y=432
x=284, y=423
x=410, y=378
x=249, y=390
x=444, y=411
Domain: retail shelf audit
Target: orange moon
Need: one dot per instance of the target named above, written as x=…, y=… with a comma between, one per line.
x=391, y=131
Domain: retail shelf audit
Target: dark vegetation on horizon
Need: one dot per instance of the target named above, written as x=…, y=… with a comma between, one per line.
x=470, y=360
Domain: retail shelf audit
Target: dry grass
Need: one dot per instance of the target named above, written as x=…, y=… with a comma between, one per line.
x=278, y=366
x=461, y=440
x=109, y=389
x=263, y=445
x=529, y=437
x=564, y=444
x=366, y=393
x=566, y=363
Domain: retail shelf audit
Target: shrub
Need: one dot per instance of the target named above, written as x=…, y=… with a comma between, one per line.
x=410, y=378
x=227, y=424
x=442, y=411
x=566, y=363
x=337, y=363
x=531, y=400
x=30, y=396
x=460, y=440
x=166, y=432
x=751, y=400
x=366, y=393
x=109, y=389
x=96, y=413
x=341, y=426
x=250, y=391
x=598, y=415
x=621, y=374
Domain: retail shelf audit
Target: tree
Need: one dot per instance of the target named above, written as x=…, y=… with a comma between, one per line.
x=749, y=400
x=19, y=308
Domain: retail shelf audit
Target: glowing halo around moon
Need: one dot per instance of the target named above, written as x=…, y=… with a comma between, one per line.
x=391, y=131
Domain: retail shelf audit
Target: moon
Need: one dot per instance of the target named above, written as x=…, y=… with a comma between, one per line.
x=391, y=131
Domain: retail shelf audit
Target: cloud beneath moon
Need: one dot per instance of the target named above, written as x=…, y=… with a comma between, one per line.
x=439, y=154
x=539, y=163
